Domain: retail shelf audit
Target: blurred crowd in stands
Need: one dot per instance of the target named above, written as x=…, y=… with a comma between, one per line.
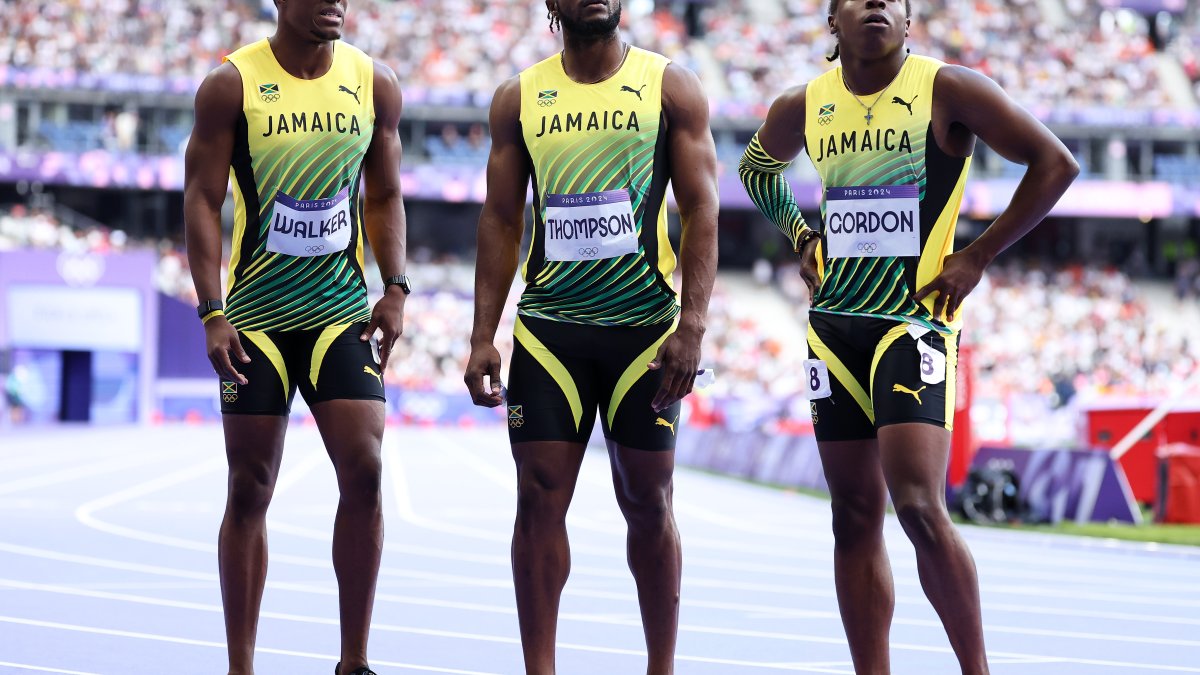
x=1058, y=333
x=455, y=52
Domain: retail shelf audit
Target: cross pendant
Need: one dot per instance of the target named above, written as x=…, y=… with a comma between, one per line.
x=869, y=116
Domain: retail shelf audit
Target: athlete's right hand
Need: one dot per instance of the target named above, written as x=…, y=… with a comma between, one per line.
x=808, y=268
x=222, y=340
x=485, y=360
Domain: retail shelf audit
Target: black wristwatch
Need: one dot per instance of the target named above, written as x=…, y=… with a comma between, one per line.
x=400, y=280
x=208, y=307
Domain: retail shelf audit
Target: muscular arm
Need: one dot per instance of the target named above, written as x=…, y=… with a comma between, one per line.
x=498, y=238
x=967, y=102
x=205, y=182
x=693, y=159
x=770, y=153
x=383, y=207
x=206, y=175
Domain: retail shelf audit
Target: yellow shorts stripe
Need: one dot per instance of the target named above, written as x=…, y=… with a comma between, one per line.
x=553, y=366
x=267, y=347
x=890, y=337
x=321, y=348
x=839, y=370
x=635, y=371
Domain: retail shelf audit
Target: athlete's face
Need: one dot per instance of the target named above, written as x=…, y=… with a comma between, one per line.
x=320, y=20
x=587, y=18
x=868, y=26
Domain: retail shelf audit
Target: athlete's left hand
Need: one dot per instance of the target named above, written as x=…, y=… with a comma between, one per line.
x=387, y=316
x=960, y=274
x=678, y=357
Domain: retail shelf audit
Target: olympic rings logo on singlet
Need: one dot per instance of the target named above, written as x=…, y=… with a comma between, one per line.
x=590, y=226
x=873, y=221
x=308, y=228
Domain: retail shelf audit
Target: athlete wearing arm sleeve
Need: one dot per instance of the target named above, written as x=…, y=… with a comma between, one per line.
x=891, y=135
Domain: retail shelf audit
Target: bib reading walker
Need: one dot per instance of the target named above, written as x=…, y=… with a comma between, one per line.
x=307, y=228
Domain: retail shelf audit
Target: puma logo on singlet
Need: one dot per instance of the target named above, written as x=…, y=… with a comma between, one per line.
x=367, y=370
x=660, y=422
x=342, y=87
x=901, y=389
x=906, y=104
x=636, y=92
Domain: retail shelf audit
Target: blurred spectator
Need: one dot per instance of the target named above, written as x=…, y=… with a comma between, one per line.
x=455, y=52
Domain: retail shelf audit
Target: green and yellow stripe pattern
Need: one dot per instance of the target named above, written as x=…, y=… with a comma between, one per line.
x=306, y=140
x=595, y=138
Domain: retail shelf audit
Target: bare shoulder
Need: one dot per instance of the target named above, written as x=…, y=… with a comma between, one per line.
x=506, y=103
x=220, y=90
x=388, y=98
x=790, y=103
x=955, y=82
x=682, y=90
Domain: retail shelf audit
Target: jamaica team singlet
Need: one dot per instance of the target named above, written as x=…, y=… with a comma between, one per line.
x=297, y=258
x=891, y=196
x=599, y=253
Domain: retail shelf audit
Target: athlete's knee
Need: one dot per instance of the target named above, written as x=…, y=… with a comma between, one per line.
x=924, y=520
x=646, y=506
x=250, y=491
x=540, y=505
x=359, y=479
x=856, y=517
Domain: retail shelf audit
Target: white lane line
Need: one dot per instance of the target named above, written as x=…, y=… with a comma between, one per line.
x=73, y=472
x=43, y=669
x=221, y=645
x=85, y=513
x=801, y=530
x=384, y=627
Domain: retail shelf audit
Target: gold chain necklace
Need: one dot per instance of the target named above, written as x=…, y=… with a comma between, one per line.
x=624, y=55
x=866, y=107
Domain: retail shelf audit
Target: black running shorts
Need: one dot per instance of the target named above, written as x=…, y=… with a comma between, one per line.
x=325, y=365
x=881, y=372
x=561, y=373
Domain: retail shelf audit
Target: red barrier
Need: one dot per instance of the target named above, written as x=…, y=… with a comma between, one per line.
x=1179, y=484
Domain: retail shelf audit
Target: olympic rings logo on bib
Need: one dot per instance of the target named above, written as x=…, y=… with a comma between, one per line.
x=589, y=226
x=310, y=227
x=868, y=247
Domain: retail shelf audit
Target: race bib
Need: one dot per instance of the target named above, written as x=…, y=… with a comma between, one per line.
x=933, y=364
x=590, y=226
x=816, y=379
x=873, y=222
x=307, y=228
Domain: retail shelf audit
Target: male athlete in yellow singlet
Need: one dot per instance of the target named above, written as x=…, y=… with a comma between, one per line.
x=601, y=128
x=296, y=123
x=891, y=135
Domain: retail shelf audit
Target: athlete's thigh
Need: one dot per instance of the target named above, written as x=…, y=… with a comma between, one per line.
x=914, y=377
x=551, y=385
x=352, y=430
x=269, y=387
x=628, y=387
x=846, y=414
x=254, y=445
x=334, y=364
